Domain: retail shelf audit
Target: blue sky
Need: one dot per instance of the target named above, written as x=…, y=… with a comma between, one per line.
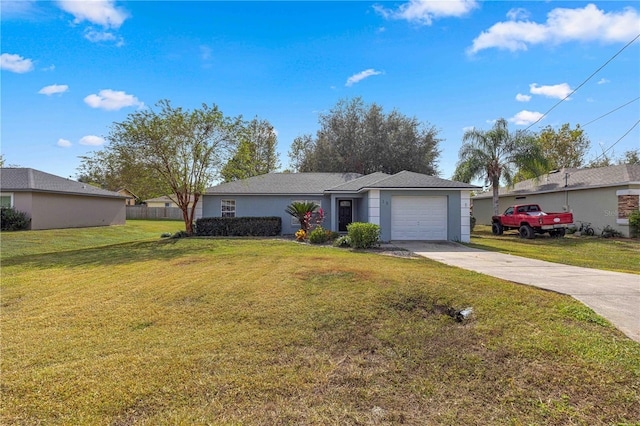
x=72, y=68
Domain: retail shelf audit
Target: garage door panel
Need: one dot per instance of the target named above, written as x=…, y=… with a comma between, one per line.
x=418, y=218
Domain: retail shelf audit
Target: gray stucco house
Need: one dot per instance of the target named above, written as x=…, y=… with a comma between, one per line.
x=56, y=202
x=603, y=196
x=406, y=205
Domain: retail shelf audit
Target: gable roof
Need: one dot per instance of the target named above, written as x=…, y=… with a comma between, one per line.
x=599, y=177
x=401, y=180
x=284, y=183
x=31, y=180
x=319, y=183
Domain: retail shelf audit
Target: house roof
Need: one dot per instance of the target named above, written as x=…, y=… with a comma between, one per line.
x=126, y=193
x=31, y=180
x=165, y=199
x=319, y=183
x=284, y=183
x=401, y=180
x=599, y=177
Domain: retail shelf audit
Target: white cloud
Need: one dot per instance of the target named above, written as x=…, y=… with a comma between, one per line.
x=91, y=140
x=524, y=117
x=64, y=143
x=99, y=12
x=523, y=98
x=53, y=89
x=604, y=81
x=559, y=91
x=111, y=100
x=518, y=13
x=95, y=36
x=563, y=25
x=424, y=12
x=361, y=76
x=15, y=63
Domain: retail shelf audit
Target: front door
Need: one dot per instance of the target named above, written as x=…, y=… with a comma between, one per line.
x=345, y=214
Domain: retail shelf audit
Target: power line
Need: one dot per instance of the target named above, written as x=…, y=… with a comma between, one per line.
x=614, y=144
x=612, y=111
x=583, y=83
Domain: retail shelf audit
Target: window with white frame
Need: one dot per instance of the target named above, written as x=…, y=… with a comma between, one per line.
x=294, y=220
x=228, y=208
x=6, y=200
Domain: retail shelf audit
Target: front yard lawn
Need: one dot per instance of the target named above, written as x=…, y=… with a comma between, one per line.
x=612, y=254
x=268, y=332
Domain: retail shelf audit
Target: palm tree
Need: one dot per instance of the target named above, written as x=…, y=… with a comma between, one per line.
x=495, y=155
x=302, y=211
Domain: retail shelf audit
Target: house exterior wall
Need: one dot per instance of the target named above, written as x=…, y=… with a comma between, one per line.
x=599, y=206
x=454, y=228
x=52, y=211
x=265, y=205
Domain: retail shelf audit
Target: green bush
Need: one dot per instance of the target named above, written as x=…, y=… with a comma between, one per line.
x=343, y=241
x=13, y=220
x=472, y=222
x=319, y=235
x=634, y=224
x=363, y=235
x=238, y=226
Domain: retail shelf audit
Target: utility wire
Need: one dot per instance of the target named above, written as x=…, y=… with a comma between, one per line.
x=583, y=83
x=614, y=144
x=612, y=111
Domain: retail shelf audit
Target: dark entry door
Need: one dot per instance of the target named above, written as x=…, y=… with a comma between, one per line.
x=345, y=214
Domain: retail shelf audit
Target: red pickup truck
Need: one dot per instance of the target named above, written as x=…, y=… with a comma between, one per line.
x=529, y=220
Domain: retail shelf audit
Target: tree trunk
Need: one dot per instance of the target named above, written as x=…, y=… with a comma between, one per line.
x=495, y=185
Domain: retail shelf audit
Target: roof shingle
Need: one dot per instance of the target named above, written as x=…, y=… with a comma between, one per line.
x=31, y=180
x=577, y=179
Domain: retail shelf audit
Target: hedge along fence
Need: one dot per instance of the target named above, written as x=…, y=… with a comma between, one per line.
x=238, y=226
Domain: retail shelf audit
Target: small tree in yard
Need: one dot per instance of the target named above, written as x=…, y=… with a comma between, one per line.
x=303, y=211
x=185, y=149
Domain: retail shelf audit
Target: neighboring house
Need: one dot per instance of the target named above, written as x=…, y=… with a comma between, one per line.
x=131, y=197
x=164, y=201
x=406, y=205
x=56, y=202
x=603, y=196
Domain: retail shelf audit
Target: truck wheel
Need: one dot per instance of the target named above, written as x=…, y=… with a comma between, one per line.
x=560, y=232
x=526, y=232
x=496, y=228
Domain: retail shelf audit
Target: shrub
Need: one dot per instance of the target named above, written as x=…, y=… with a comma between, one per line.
x=239, y=226
x=363, y=235
x=319, y=235
x=180, y=234
x=634, y=224
x=472, y=222
x=343, y=241
x=13, y=220
x=301, y=235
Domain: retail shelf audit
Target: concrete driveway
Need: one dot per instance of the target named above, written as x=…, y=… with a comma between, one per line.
x=613, y=295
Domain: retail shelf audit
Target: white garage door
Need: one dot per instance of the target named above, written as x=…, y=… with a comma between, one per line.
x=418, y=218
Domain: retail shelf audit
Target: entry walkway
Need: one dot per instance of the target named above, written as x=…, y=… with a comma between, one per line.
x=613, y=295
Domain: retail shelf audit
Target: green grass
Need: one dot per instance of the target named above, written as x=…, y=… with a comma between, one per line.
x=612, y=254
x=57, y=240
x=271, y=332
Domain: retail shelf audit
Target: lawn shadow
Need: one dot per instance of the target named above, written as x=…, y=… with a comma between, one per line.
x=110, y=255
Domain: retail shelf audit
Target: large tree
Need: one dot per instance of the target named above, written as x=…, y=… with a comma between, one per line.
x=183, y=149
x=354, y=137
x=256, y=152
x=495, y=155
x=564, y=147
x=112, y=170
